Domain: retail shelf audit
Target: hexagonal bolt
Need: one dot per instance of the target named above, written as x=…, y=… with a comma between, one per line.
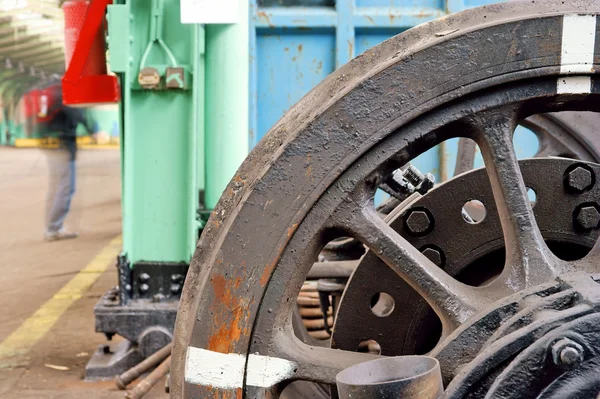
x=579, y=179
x=434, y=255
x=588, y=217
x=144, y=278
x=567, y=353
x=418, y=222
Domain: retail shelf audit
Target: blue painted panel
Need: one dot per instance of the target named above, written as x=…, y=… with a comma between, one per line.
x=441, y=4
x=296, y=43
x=290, y=64
x=367, y=38
x=477, y=3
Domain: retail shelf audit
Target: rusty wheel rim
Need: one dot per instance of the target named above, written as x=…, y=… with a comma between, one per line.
x=324, y=161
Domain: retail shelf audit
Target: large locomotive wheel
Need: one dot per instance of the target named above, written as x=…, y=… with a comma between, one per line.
x=475, y=74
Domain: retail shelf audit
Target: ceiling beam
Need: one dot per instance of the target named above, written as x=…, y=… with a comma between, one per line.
x=34, y=6
x=23, y=50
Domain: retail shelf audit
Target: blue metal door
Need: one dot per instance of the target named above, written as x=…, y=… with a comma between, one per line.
x=294, y=44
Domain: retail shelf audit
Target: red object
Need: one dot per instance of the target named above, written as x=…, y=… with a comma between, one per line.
x=29, y=104
x=86, y=81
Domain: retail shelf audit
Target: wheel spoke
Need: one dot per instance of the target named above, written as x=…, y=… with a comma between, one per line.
x=453, y=301
x=318, y=364
x=465, y=158
x=528, y=259
x=591, y=262
x=549, y=147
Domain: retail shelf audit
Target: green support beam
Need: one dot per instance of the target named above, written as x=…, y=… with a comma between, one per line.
x=160, y=129
x=227, y=74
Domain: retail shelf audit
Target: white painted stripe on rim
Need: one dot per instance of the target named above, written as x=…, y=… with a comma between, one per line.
x=577, y=53
x=219, y=370
x=578, y=41
x=574, y=85
x=226, y=370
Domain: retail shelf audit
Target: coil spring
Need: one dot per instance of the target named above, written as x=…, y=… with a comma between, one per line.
x=311, y=313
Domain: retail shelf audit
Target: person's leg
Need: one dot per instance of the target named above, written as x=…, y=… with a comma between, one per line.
x=64, y=170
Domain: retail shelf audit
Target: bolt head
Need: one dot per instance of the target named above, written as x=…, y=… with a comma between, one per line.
x=567, y=353
x=580, y=179
x=175, y=289
x=427, y=184
x=588, y=217
x=434, y=255
x=418, y=223
x=144, y=278
x=570, y=356
x=144, y=288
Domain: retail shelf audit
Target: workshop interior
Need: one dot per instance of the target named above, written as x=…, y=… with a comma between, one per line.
x=320, y=199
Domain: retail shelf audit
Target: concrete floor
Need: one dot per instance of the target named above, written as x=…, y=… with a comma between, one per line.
x=32, y=271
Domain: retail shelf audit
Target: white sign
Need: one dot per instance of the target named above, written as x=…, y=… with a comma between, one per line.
x=210, y=11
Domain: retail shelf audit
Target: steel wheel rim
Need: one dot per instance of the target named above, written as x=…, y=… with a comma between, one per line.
x=219, y=338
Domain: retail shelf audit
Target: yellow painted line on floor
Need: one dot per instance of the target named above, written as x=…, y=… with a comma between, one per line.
x=16, y=346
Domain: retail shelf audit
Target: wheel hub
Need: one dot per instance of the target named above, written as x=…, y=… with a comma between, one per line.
x=471, y=251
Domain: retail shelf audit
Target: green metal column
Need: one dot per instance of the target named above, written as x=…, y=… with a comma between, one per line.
x=227, y=74
x=161, y=128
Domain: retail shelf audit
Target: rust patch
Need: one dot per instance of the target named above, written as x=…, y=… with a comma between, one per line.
x=291, y=230
x=266, y=17
x=319, y=67
x=239, y=179
x=299, y=48
x=308, y=171
x=308, y=166
x=371, y=20
x=229, y=311
x=266, y=275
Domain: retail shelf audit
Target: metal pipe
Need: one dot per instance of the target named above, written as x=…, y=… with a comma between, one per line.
x=146, y=385
x=227, y=94
x=121, y=381
x=417, y=377
x=333, y=269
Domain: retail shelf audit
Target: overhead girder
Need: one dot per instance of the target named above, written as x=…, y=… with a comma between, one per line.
x=13, y=39
x=26, y=37
x=38, y=47
x=40, y=7
x=35, y=60
x=25, y=49
x=7, y=29
x=30, y=57
x=55, y=65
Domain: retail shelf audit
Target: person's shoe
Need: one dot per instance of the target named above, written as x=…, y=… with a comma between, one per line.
x=61, y=235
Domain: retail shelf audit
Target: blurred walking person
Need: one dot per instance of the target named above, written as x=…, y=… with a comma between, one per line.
x=64, y=121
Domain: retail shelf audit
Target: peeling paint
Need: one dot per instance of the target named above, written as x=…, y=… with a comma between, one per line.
x=229, y=312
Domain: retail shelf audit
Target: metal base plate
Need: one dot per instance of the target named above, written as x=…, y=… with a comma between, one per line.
x=108, y=362
x=146, y=325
